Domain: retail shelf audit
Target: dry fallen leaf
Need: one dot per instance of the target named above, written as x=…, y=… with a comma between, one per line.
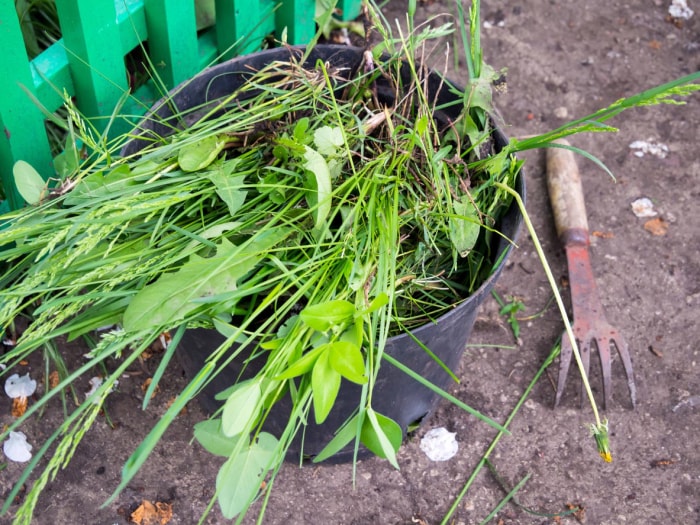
x=146, y=384
x=603, y=235
x=579, y=512
x=19, y=406
x=54, y=379
x=150, y=514
x=656, y=226
x=171, y=401
x=658, y=463
x=657, y=353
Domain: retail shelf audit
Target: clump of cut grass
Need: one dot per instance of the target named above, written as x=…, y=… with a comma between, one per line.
x=347, y=195
x=309, y=215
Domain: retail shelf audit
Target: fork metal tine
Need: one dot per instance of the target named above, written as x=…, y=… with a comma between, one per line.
x=564, y=361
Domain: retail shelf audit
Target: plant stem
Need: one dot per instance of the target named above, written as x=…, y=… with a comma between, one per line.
x=557, y=295
x=492, y=446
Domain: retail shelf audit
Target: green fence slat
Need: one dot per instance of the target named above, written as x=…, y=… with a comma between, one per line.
x=51, y=76
x=88, y=61
x=172, y=39
x=297, y=18
x=131, y=20
x=241, y=25
x=207, y=48
x=349, y=9
x=22, y=133
x=93, y=45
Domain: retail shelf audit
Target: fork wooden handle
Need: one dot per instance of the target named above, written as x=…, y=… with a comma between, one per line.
x=566, y=195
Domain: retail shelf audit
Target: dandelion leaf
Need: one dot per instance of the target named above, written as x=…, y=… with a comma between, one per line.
x=175, y=295
x=198, y=155
x=98, y=185
x=382, y=436
x=320, y=196
x=240, y=478
x=212, y=438
x=464, y=226
x=30, y=185
x=327, y=140
x=242, y=406
x=228, y=188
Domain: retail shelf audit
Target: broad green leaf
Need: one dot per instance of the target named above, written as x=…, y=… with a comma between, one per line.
x=98, y=185
x=382, y=436
x=354, y=334
x=323, y=316
x=240, y=478
x=302, y=365
x=242, y=407
x=87, y=189
x=300, y=129
x=481, y=89
x=66, y=163
x=174, y=295
x=228, y=330
x=320, y=197
x=198, y=155
x=30, y=185
x=464, y=226
x=281, y=152
x=144, y=169
x=271, y=187
x=344, y=436
x=325, y=383
x=382, y=299
x=224, y=394
x=228, y=188
x=327, y=140
x=219, y=229
x=211, y=436
x=346, y=359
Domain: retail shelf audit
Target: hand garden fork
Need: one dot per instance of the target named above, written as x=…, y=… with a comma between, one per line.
x=590, y=325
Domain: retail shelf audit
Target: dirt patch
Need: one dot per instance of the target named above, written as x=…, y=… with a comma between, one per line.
x=564, y=59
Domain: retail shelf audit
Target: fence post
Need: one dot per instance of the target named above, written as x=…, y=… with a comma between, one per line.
x=241, y=25
x=297, y=17
x=93, y=45
x=22, y=132
x=172, y=39
x=349, y=9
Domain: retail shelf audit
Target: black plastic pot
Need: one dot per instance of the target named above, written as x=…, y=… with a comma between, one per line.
x=396, y=395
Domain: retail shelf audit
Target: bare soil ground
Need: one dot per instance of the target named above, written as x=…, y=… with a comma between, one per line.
x=564, y=58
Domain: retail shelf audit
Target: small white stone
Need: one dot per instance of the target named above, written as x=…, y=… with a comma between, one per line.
x=95, y=383
x=17, y=386
x=680, y=9
x=643, y=207
x=561, y=112
x=16, y=448
x=439, y=444
x=649, y=147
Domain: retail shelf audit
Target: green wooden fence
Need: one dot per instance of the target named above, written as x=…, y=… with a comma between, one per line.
x=88, y=61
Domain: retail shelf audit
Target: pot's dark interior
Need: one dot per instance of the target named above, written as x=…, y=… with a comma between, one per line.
x=193, y=98
x=396, y=395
